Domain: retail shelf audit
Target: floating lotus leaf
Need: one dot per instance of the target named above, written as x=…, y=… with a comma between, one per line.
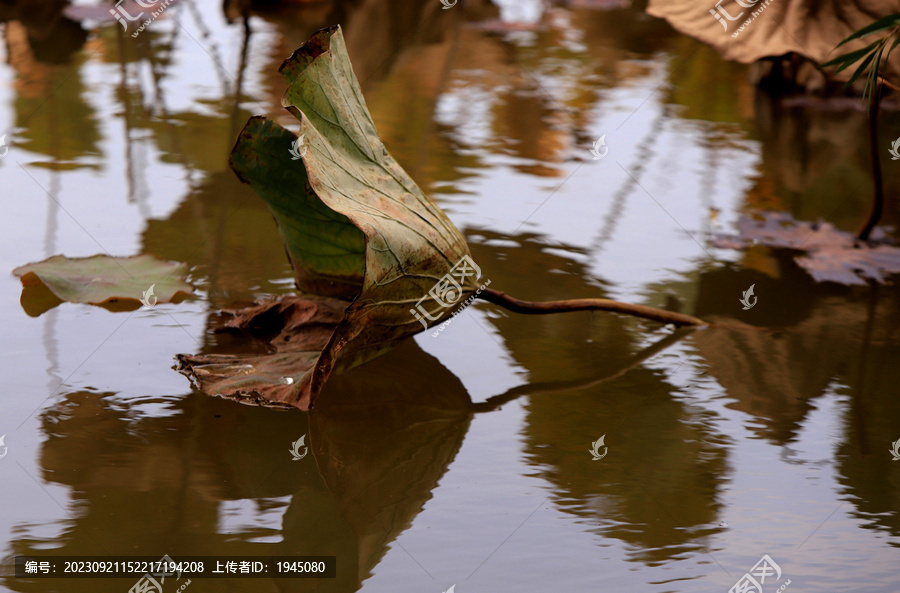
x=112, y=282
x=831, y=255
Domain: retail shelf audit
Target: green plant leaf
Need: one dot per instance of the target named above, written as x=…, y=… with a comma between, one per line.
x=894, y=44
x=117, y=283
x=859, y=71
x=871, y=81
x=326, y=250
x=887, y=58
x=881, y=24
x=849, y=58
x=345, y=193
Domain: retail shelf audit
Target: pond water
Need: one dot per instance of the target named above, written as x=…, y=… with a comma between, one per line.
x=461, y=460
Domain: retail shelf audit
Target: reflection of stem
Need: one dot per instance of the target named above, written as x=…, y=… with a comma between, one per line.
x=643, y=157
x=49, y=336
x=213, y=51
x=858, y=409
x=126, y=120
x=442, y=84
x=160, y=102
x=239, y=86
x=496, y=401
x=708, y=181
x=642, y=311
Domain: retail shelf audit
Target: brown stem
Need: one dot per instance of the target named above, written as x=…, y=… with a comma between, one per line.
x=878, y=199
x=888, y=84
x=496, y=401
x=529, y=307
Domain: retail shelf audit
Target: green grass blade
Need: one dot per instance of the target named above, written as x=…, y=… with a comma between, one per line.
x=881, y=24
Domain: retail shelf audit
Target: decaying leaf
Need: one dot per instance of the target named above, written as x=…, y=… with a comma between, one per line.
x=831, y=255
x=296, y=328
x=112, y=282
x=849, y=265
x=755, y=29
x=355, y=225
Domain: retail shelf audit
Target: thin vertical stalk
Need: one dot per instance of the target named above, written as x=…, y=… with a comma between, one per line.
x=878, y=198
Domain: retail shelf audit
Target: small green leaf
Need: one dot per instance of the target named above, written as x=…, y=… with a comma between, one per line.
x=859, y=71
x=871, y=82
x=887, y=58
x=849, y=58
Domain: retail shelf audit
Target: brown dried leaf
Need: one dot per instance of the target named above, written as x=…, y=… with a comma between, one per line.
x=832, y=255
x=296, y=328
x=810, y=28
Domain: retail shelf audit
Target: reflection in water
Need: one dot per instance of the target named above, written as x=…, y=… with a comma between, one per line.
x=60, y=125
x=211, y=478
x=818, y=165
x=195, y=480
x=46, y=36
x=668, y=465
x=458, y=99
x=821, y=340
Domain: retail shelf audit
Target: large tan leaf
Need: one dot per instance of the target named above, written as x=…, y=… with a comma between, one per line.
x=810, y=28
x=354, y=223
